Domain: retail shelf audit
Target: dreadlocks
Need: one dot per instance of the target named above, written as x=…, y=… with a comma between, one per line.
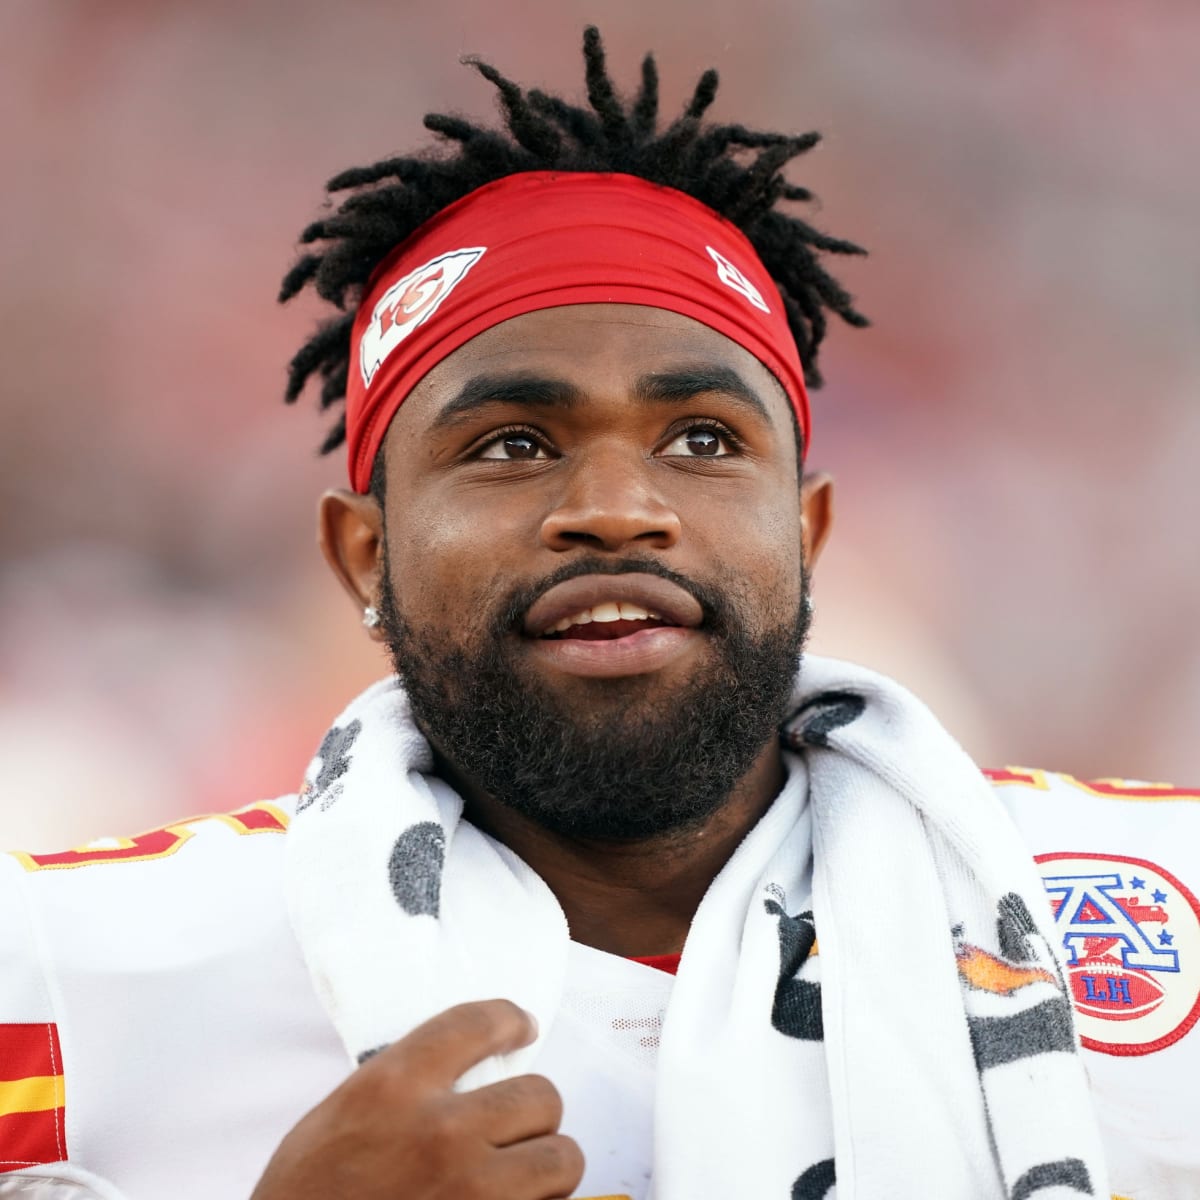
x=735, y=171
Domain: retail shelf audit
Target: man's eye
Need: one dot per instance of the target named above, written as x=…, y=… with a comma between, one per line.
x=699, y=442
x=513, y=447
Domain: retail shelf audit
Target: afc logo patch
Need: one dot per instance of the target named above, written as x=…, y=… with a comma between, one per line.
x=1131, y=940
x=410, y=302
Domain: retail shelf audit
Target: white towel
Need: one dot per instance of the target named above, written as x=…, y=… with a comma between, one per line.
x=933, y=990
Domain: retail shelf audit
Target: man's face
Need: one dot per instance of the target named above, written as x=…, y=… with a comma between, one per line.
x=560, y=464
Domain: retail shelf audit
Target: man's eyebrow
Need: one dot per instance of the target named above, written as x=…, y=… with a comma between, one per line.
x=539, y=391
x=679, y=386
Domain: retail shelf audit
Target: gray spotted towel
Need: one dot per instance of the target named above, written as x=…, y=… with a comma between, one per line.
x=951, y=1066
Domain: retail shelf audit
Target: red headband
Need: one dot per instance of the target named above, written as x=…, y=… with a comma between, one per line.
x=542, y=239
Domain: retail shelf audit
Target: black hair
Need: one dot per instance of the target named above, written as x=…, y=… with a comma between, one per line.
x=736, y=171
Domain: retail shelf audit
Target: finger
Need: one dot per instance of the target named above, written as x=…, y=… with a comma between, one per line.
x=514, y=1110
x=446, y=1046
x=544, y=1168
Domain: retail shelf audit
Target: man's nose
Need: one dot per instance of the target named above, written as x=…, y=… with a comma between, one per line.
x=610, y=502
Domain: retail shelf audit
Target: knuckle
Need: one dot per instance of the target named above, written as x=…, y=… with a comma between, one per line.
x=559, y=1157
x=502, y=1101
x=445, y=1123
x=536, y=1091
x=388, y=1086
x=525, y=1098
x=367, y=1090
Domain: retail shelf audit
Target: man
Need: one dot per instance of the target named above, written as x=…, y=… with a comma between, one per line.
x=600, y=896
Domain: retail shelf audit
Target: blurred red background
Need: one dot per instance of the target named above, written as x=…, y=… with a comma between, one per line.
x=1015, y=439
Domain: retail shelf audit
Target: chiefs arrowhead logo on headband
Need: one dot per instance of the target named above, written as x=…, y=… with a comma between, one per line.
x=408, y=302
x=543, y=239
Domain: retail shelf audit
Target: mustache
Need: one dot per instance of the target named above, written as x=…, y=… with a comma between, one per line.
x=719, y=613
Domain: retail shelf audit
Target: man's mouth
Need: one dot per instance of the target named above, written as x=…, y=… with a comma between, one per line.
x=613, y=625
x=606, y=621
x=603, y=607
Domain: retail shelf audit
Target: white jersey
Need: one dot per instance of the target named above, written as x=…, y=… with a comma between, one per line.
x=159, y=1033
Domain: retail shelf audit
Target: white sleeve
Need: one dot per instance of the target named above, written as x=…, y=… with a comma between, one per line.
x=23, y=995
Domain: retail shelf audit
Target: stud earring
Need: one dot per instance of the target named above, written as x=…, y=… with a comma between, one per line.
x=371, y=617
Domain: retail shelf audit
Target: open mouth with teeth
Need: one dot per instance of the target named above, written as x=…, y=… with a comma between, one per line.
x=606, y=622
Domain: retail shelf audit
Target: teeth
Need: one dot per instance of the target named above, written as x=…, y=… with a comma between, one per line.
x=611, y=610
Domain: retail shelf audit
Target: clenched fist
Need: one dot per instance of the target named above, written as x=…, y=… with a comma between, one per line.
x=396, y=1128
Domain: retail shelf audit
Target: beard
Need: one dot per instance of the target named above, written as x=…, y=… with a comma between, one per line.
x=629, y=763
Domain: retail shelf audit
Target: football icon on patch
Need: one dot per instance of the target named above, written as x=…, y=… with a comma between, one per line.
x=1131, y=940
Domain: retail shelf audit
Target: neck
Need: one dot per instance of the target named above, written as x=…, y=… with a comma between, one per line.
x=630, y=898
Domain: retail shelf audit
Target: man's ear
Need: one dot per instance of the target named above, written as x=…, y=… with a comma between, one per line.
x=816, y=513
x=350, y=534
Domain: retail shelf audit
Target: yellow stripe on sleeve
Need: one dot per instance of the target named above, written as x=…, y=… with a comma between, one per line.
x=37, y=1093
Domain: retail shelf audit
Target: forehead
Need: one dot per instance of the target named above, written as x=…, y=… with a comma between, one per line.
x=601, y=348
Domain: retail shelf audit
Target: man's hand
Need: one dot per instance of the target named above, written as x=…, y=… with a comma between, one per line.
x=396, y=1129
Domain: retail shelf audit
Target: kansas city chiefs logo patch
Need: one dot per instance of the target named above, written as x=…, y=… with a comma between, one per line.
x=1131, y=939
x=410, y=302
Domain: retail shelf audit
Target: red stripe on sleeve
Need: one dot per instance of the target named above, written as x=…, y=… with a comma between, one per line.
x=27, y=1050
x=31, y=1139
